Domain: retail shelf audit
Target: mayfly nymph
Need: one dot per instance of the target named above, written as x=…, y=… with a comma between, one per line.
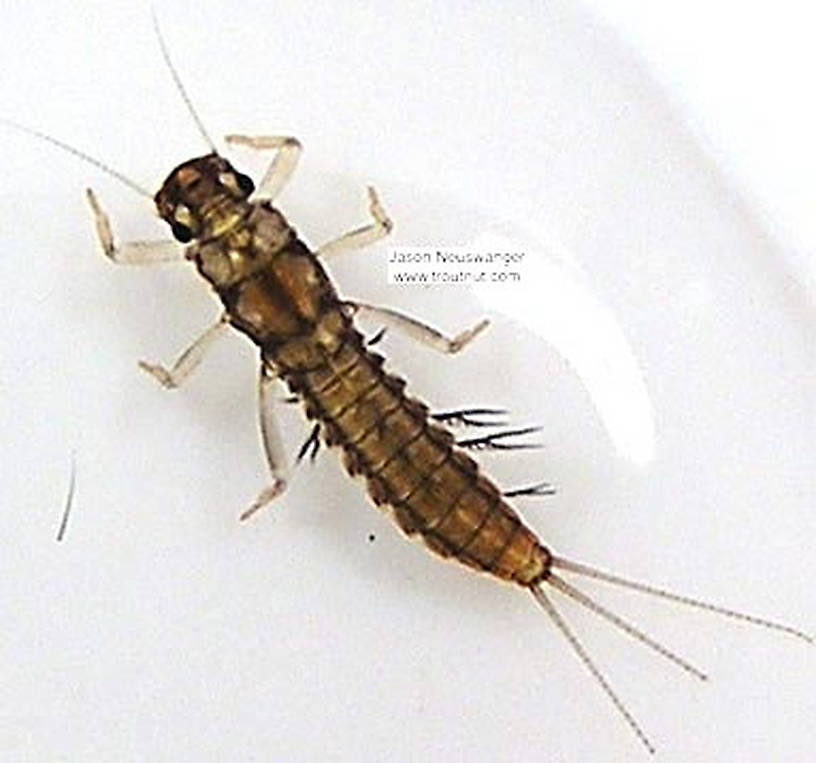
x=274, y=289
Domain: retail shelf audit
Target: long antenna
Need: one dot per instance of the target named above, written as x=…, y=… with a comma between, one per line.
x=177, y=80
x=591, y=572
x=80, y=154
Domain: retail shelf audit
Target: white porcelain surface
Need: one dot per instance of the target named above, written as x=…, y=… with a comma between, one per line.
x=663, y=339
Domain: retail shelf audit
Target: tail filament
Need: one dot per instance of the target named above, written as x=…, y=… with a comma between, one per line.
x=591, y=572
x=578, y=648
x=619, y=622
x=569, y=590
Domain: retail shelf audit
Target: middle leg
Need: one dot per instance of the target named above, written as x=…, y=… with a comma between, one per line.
x=414, y=328
x=189, y=360
x=365, y=235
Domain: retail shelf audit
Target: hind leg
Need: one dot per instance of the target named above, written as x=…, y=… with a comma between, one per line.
x=272, y=442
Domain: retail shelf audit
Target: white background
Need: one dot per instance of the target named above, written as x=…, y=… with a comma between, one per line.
x=658, y=161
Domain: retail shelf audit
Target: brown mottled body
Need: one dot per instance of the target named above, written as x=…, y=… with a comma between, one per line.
x=410, y=463
x=275, y=290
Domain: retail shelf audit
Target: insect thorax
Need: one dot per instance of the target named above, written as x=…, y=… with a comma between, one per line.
x=246, y=247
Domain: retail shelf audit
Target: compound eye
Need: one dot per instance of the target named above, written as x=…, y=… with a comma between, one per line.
x=181, y=232
x=245, y=183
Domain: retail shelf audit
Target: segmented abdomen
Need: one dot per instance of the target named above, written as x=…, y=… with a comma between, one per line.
x=410, y=463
